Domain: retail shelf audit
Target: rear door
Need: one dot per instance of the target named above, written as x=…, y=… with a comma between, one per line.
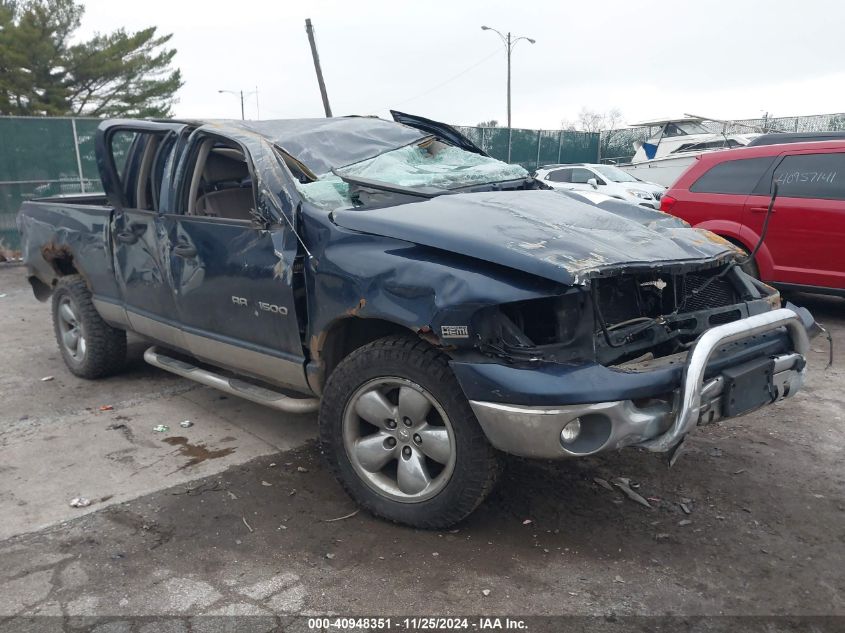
x=717, y=198
x=131, y=155
x=233, y=277
x=806, y=233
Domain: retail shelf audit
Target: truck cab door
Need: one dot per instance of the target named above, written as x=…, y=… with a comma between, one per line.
x=233, y=275
x=130, y=157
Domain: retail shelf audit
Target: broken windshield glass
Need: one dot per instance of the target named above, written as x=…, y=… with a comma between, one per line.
x=431, y=164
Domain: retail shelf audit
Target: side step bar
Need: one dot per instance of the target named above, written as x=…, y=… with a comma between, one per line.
x=233, y=386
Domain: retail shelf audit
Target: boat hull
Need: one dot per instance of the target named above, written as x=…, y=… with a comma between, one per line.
x=663, y=171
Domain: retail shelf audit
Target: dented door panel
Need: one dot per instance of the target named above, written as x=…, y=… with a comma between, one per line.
x=228, y=284
x=234, y=279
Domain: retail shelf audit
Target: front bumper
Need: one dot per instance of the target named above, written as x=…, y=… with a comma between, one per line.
x=644, y=202
x=656, y=423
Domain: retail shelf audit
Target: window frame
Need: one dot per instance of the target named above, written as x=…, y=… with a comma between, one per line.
x=782, y=158
x=746, y=191
x=184, y=174
x=591, y=173
x=560, y=169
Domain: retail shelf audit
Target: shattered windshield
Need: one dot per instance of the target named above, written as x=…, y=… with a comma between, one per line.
x=429, y=164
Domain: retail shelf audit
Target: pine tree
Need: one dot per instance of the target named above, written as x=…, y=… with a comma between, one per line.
x=115, y=74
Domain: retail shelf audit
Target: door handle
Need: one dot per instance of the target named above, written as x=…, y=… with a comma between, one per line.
x=184, y=250
x=126, y=237
x=760, y=209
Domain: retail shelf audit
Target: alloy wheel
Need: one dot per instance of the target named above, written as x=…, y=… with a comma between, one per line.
x=70, y=329
x=399, y=439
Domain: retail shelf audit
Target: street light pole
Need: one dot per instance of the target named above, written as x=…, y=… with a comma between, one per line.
x=509, y=89
x=240, y=94
x=509, y=41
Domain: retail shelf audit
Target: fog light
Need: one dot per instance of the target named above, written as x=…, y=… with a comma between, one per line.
x=571, y=431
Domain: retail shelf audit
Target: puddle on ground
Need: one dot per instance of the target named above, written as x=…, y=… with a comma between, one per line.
x=197, y=453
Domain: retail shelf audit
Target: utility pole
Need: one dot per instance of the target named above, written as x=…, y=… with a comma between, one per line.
x=310, y=30
x=509, y=43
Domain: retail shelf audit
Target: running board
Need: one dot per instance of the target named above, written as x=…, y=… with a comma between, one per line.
x=233, y=386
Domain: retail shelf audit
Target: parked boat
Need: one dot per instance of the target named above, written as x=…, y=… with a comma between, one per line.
x=673, y=145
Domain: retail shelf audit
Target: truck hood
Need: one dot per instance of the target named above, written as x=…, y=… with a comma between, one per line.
x=551, y=234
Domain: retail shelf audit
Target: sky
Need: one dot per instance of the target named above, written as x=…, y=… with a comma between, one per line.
x=648, y=58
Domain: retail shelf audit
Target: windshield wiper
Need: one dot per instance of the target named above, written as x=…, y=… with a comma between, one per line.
x=367, y=183
x=502, y=185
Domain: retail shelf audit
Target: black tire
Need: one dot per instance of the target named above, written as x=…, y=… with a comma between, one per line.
x=476, y=462
x=750, y=267
x=104, y=352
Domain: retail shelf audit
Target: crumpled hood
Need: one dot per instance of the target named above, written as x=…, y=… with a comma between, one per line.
x=551, y=234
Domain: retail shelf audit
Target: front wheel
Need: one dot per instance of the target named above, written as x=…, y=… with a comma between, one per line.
x=401, y=438
x=750, y=267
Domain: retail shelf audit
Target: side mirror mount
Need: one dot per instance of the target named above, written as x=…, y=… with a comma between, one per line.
x=593, y=183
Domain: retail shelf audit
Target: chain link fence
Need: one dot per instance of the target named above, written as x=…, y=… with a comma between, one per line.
x=535, y=148
x=50, y=156
x=618, y=145
x=43, y=157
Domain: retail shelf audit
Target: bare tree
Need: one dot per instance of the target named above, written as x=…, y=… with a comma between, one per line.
x=490, y=123
x=593, y=121
x=605, y=123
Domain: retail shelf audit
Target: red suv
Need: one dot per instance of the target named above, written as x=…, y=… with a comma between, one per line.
x=728, y=193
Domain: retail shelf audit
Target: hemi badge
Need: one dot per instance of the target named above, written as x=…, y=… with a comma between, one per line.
x=454, y=331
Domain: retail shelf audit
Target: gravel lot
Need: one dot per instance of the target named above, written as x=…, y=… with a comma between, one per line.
x=233, y=518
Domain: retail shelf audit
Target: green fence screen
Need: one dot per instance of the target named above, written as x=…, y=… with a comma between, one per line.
x=535, y=148
x=43, y=157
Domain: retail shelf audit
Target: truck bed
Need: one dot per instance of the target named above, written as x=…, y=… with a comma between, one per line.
x=67, y=234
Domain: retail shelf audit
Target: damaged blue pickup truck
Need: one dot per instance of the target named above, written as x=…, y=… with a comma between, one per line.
x=437, y=306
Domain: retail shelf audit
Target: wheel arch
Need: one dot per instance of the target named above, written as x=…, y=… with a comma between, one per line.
x=763, y=259
x=60, y=262
x=746, y=239
x=342, y=337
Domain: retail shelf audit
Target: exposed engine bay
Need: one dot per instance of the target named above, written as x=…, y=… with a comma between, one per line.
x=619, y=318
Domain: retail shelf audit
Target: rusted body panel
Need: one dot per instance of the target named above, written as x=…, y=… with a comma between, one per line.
x=57, y=233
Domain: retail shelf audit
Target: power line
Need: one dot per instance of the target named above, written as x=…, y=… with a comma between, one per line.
x=438, y=86
x=428, y=91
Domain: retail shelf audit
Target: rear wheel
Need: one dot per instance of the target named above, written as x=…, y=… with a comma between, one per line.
x=91, y=348
x=750, y=267
x=401, y=438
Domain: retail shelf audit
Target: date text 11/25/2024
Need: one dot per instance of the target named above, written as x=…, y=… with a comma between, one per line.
x=418, y=624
